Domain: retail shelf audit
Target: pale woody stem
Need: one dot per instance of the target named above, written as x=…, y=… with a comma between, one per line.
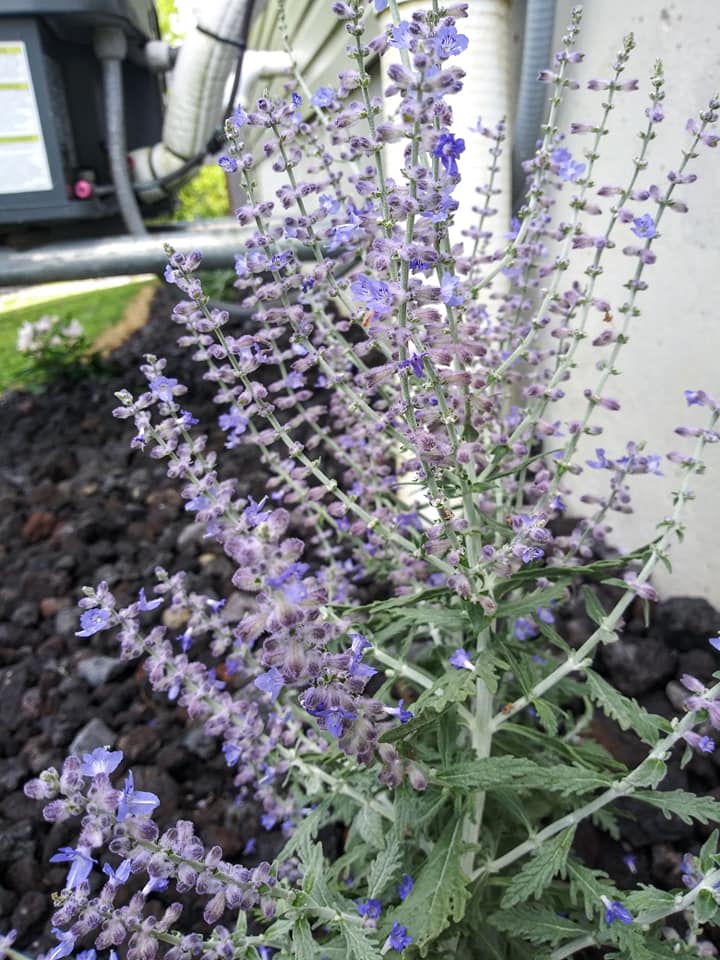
x=622, y=788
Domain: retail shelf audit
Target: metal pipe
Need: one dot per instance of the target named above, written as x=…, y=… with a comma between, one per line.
x=532, y=96
x=125, y=255
x=115, y=256
x=111, y=47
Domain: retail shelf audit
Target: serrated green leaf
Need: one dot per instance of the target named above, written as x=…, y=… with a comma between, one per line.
x=440, y=893
x=536, y=924
x=303, y=945
x=708, y=853
x=368, y=826
x=452, y=687
x=705, y=907
x=649, y=899
x=359, y=944
x=538, y=872
x=593, y=608
x=628, y=713
x=650, y=773
x=572, y=780
x=687, y=806
x=410, y=730
x=489, y=773
x=530, y=602
x=608, y=822
x=517, y=773
x=547, y=716
x=552, y=635
x=314, y=871
x=383, y=868
x=306, y=830
x=590, y=885
x=635, y=945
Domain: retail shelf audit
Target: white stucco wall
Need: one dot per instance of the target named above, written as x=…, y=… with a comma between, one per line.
x=675, y=343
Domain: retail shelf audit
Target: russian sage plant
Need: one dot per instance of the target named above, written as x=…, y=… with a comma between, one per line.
x=399, y=676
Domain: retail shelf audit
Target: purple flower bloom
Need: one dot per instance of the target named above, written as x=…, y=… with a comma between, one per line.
x=323, y=97
x=268, y=821
x=461, y=660
x=398, y=938
x=228, y=164
x=380, y=5
x=400, y=712
x=139, y=803
x=545, y=615
x=565, y=167
x=702, y=744
x=162, y=388
x=375, y=294
x=416, y=362
x=81, y=868
x=271, y=682
x=644, y=227
x=93, y=621
x=254, y=513
x=369, y=908
x=448, y=290
x=614, y=910
x=334, y=720
x=630, y=861
x=715, y=642
x=231, y=753
x=695, y=397
x=447, y=149
x=144, y=604
x=234, y=424
x=449, y=43
x=65, y=946
x=296, y=99
x=524, y=629
x=405, y=886
x=121, y=874
x=100, y=760
x=289, y=581
x=239, y=117
x=400, y=36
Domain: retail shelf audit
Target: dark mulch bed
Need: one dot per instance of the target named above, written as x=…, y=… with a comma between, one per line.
x=77, y=506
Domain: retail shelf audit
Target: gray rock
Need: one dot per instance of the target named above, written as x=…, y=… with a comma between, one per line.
x=25, y=614
x=67, y=621
x=12, y=772
x=31, y=906
x=96, y=671
x=686, y=623
x=199, y=744
x=94, y=734
x=191, y=538
x=636, y=666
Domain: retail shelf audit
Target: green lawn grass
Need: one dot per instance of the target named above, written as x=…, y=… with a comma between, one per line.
x=96, y=310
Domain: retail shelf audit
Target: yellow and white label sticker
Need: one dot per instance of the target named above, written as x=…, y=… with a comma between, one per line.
x=24, y=164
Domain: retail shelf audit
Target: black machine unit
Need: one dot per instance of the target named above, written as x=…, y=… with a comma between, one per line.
x=53, y=159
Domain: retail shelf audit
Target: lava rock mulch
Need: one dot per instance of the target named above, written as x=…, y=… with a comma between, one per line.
x=78, y=506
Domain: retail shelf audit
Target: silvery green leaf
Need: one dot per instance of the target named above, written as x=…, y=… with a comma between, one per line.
x=539, y=871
